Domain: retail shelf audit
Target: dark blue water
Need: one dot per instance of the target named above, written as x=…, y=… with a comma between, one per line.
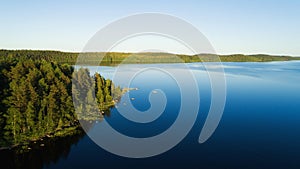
x=260, y=127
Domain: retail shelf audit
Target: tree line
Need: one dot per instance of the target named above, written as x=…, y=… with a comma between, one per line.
x=115, y=58
x=36, y=98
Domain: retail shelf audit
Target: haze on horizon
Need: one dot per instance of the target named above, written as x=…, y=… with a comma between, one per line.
x=246, y=27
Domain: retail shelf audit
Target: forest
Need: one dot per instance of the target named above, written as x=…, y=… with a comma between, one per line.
x=115, y=58
x=36, y=99
x=42, y=94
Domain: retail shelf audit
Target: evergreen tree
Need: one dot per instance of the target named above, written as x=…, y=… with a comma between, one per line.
x=36, y=98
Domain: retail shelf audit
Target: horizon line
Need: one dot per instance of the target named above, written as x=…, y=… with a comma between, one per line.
x=69, y=51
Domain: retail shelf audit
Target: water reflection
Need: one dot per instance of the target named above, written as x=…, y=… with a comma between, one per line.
x=259, y=129
x=43, y=152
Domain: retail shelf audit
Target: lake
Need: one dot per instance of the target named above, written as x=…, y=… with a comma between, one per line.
x=260, y=126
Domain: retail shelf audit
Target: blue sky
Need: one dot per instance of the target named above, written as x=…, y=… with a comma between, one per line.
x=256, y=26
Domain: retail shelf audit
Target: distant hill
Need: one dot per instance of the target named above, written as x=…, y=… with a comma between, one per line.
x=114, y=58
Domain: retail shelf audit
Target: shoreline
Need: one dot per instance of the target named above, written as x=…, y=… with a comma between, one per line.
x=66, y=132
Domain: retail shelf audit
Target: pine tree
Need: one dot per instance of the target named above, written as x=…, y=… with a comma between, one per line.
x=13, y=125
x=29, y=117
x=36, y=98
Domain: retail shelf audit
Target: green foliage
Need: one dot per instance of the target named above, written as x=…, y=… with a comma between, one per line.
x=115, y=58
x=92, y=95
x=83, y=94
x=36, y=99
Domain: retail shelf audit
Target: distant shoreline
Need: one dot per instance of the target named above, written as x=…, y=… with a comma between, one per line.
x=115, y=58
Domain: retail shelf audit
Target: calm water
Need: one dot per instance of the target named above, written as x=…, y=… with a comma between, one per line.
x=260, y=127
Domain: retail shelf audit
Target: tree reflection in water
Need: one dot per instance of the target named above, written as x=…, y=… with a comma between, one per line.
x=42, y=153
